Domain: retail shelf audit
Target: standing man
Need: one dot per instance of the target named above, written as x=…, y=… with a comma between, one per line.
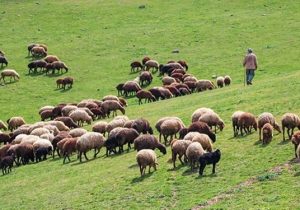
x=250, y=64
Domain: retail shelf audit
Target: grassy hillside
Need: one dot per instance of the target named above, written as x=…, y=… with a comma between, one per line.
x=98, y=40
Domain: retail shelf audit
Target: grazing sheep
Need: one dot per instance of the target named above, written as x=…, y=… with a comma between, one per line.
x=227, y=80
x=119, y=88
x=100, y=127
x=170, y=128
x=246, y=121
x=51, y=58
x=15, y=122
x=3, y=60
x=56, y=65
x=3, y=150
x=184, y=91
x=68, y=148
x=112, y=105
x=220, y=81
x=173, y=128
x=60, y=145
x=68, y=121
x=157, y=93
x=5, y=138
x=24, y=152
x=88, y=141
x=168, y=68
x=146, y=77
x=42, y=143
x=144, y=158
x=179, y=147
x=39, y=131
x=193, y=153
x=295, y=141
x=46, y=114
x=66, y=110
x=34, y=65
x=11, y=73
x=191, y=135
x=131, y=87
x=48, y=107
x=289, y=121
x=264, y=118
x=135, y=65
x=147, y=141
x=298, y=152
x=144, y=94
x=41, y=152
x=145, y=59
x=2, y=125
x=234, y=118
x=98, y=113
x=165, y=92
x=201, y=127
x=209, y=158
x=199, y=112
x=56, y=112
x=203, y=85
x=67, y=81
x=77, y=132
x=30, y=46
x=267, y=131
x=80, y=116
x=151, y=64
x=190, y=78
x=142, y=125
x=204, y=140
x=166, y=80
x=181, y=85
x=60, y=125
x=6, y=163
x=175, y=92
x=179, y=71
x=191, y=85
x=177, y=76
x=115, y=123
x=38, y=51
x=128, y=124
x=212, y=119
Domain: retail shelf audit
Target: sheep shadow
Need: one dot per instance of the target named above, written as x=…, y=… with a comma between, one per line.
x=283, y=142
x=258, y=142
x=34, y=74
x=188, y=172
x=129, y=97
x=55, y=74
x=9, y=82
x=207, y=175
x=177, y=167
x=65, y=90
x=141, y=178
x=133, y=166
x=83, y=162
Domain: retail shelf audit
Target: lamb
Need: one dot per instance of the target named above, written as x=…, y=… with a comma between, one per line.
x=111, y=105
x=264, y=118
x=169, y=128
x=246, y=121
x=209, y=158
x=15, y=122
x=46, y=114
x=166, y=80
x=220, y=81
x=68, y=148
x=2, y=125
x=131, y=87
x=151, y=64
x=179, y=147
x=172, y=127
x=267, y=131
x=142, y=125
x=295, y=141
x=212, y=119
x=145, y=59
x=204, y=140
x=11, y=73
x=234, y=118
x=203, y=85
x=144, y=94
x=51, y=58
x=6, y=163
x=201, y=127
x=100, y=127
x=289, y=121
x=199, y=112
x=88, y=141
x=80, y=116
x=77, y=132
x=38, y=51
x=227, y=80
x=3, y=60
x=147, y=141
x=193, y=153
x=144, y=158
x=68, y=121
x=146, y=77
x=135, y=65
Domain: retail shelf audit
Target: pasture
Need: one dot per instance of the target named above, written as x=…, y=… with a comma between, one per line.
x=98, y=40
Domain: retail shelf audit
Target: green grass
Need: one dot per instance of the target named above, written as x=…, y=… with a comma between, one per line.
x=98, y=40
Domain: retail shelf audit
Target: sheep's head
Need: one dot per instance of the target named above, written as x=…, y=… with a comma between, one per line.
x=221, y=125
x=277, y=127
x=182, y=132
x=162, y=148
x=296, y=138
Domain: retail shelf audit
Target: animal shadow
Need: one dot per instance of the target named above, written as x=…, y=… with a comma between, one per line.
x=283, y=142
x=140, y=179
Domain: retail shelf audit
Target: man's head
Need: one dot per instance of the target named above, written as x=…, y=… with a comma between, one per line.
x=250, y=50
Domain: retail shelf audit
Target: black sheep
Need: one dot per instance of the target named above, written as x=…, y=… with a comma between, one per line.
x=42, y=152
x=209, y=158
x=3, y=60
x=6, y=164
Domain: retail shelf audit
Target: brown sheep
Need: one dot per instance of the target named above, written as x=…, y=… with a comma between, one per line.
x=220, y=81
x=227, y=80
x=15, y=122
x=111, y=105
x=175, y=92
x=191, y=85
x=68, y=148
x=180, y=71
x=296, y=140
x=203, y=85
x=46, y=114
x=136, y=65
x=68, y=121
x=146, y=77
x=142, y=125
x=145, y=59
x=179, y=147
x=59, y=83
x=165, y=92
x=246, y=122
x=34, y=65
x=289, y=121
x=144, y=94
x=157, y=93
x=147, y=141
x=119, y=88
x=267, y=131
x=56, y=65
x=200, y=127
x=60, y=136
x=38, y=51
x=131, y=87
x=151, y=64
x=234, y=118
x=264, y=118
x=183, y=64
x=5, y=138
x=51, y=58
x=67, y=81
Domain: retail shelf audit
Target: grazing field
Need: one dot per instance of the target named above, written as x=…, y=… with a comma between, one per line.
x=98, y=40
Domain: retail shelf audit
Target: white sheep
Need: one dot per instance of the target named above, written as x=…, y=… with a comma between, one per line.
x=289, y=121
x=89, y=141
x=193, y=152
x=80, y=116
x=44, y=108
x=77, y=132
x=144, y=158
x=15, y=122
x=9, y=73
x=42, y=143
x=199, y=112
x=234, y=118
x=204, y=140
x=67, y=109
x=179, y=147
x=39, y=131
x=100, y=127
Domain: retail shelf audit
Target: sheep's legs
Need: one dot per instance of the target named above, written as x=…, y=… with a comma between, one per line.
x=214, y=168
x=179, y=157
x=85, y=156
x=201, y=168
x=174, y=155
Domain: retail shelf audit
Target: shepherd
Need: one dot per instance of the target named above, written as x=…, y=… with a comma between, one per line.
x=250, y=64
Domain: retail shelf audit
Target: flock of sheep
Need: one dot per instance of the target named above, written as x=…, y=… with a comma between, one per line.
x=176, y=81
x=42, y=63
